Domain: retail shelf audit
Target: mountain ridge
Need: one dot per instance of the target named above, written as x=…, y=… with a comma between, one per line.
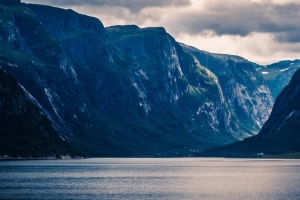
x=130, y=91
x=278, y=137
x=279, y=74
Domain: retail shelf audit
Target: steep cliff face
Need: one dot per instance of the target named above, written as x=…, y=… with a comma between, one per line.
x=281, y=131
x=279, y=135
x=39, y=63
x=278, y=75
x=138, y=73
x=244, y=90
x=171, y=82
x=84, y=37
x=129, y=91
x=24, y=130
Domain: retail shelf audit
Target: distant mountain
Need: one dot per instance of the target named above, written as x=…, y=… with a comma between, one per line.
x=129, y=91
x=25, y=131
x=278, y=75
x=279, y=135
x=247, y=96
x=282, y=127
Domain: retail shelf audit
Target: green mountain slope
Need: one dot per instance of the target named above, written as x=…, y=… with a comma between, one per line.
x=244, y=90
x=24, y=130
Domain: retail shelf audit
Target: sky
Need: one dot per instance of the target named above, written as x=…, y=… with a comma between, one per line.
x=262, y=31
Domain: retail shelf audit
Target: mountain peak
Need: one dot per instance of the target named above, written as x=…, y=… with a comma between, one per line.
x=123, y=27
x=135, y=28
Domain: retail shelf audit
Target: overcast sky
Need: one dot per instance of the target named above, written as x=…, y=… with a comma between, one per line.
x=263, y=31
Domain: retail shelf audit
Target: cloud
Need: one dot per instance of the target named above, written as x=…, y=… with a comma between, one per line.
x=132, y=5
x=242, y=18
x=259, y=30
x=256, y=47
x=221, y=17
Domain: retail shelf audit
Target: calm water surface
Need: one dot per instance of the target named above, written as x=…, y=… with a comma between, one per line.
x=150, y=178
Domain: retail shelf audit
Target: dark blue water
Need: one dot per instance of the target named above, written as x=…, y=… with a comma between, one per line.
x=143, y=178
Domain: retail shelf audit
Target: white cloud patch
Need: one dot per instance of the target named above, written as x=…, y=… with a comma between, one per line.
x=132, y=5
x=257, y=47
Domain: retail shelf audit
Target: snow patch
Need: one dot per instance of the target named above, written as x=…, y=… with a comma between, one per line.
x=73, y=72
x=282, y=70
x=141, y=72
x=12, y=65
x=66, y=64
x=290, y=114
x=30, y=97
x=51, y=100
x=176, y=97
x=141, y=93
x=43, y=111
x=143, y=96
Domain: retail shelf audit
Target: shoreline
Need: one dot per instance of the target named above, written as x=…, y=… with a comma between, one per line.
x=63, y=157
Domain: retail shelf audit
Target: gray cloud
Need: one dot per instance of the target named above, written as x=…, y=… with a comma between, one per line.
x=132, y=5
x=242, y=19
x=217, y=17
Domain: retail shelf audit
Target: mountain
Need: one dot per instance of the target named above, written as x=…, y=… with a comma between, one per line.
x=25, y=131
x=278, y=75
x=281, y=131
x=129, y=91
x=279, y=135
x=244, y=90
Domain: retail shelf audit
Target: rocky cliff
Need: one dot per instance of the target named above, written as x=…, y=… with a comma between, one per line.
x=129, y=91
x=244, y=90
x=279, y=135
x=278, y=75
x=25, y=131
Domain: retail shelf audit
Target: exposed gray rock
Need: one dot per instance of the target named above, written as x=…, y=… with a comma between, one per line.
x=245, y=92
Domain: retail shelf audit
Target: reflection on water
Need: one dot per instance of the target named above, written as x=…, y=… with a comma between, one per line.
x=150, y=178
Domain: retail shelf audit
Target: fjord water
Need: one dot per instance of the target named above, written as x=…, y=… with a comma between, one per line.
x=150, y=178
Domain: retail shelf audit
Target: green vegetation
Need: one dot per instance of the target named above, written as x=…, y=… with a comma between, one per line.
x=295, y=155
x=237, y=78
